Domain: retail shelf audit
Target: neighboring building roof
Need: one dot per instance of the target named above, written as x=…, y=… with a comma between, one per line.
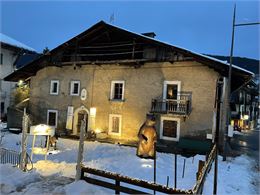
x=25, y=59
x=245, y=63
x=4, y=39
x=241, y=75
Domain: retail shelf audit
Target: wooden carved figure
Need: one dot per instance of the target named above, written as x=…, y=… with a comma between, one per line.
x=147, y=138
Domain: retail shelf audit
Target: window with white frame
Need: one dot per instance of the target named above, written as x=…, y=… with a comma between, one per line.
x=54, y=88
x=117, y=90
x=52, y=117
x=115, y=123
x=170, y=128
x=75, y=88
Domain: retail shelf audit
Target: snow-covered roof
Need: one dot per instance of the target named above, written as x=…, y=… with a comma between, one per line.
x=182, y=48
x=10, y=41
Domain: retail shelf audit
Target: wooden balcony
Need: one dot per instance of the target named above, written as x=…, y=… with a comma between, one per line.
x=180, y=106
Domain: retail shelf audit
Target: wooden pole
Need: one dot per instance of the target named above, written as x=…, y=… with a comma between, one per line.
x=47, y=147
x=24, y=141
x=81, y=148
x=154, y=166
x=183, y=169
x=228, y=110
x=218, y=100
x=33, y=143
x=175, y=171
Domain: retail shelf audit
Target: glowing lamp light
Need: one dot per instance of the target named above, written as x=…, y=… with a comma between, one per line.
x=42, y=129
x=20, y=82
x=98, y=131
x=246, y=117
x=93, y=111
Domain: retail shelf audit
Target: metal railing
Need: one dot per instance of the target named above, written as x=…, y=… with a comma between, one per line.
x=182, y=105
x=13, y=157
x=9, y=156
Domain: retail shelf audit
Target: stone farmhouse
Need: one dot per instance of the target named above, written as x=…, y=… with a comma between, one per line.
x=114, y=77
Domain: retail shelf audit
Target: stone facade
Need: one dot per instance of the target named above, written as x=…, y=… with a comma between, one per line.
x=141, y=86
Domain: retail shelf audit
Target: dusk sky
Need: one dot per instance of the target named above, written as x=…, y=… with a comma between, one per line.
x=201, y=26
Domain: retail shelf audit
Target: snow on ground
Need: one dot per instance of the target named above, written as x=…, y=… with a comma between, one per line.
x=235, y=175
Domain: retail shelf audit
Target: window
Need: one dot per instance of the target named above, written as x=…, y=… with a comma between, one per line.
x=115, y=122
x=170, y=128
x=54, y=89
x=1, y=58
x=2, y=107
x=117, y=90
x=74, y=88
x=171, y=89
x=52, y=117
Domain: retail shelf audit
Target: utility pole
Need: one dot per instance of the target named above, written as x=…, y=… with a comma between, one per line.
x=228, y=110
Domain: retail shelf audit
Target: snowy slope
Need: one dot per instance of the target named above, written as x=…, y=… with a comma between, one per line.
x=236, y=176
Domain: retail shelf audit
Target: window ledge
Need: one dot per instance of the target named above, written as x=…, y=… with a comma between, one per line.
x=116, y=100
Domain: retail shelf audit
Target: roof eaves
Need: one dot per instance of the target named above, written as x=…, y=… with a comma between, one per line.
x=184, y=49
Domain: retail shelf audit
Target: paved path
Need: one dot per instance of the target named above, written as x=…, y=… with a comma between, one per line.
x=247, y=143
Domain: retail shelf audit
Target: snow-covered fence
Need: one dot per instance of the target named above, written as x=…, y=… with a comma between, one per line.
x=119, y=179
x=13, y=157
x=9, y=156
x=202, y=174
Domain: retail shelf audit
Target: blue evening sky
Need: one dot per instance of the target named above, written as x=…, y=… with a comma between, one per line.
x=201, y=26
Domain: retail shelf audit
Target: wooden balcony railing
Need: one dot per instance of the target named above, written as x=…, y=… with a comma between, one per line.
x=180, y=106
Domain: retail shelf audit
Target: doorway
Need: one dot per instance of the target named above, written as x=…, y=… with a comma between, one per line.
x=82, y=115
x=79, y=114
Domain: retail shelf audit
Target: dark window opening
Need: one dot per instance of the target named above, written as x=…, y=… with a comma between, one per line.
x=55, y=88
x=2, y=107
x=118, y=91
x=172, y=91
x=170, y=128
x=76, y=88
x=1, y=58
x=52, y=118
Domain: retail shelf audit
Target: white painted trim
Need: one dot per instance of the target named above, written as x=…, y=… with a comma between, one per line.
x=51, y=87
x=112, y=90
x=165, y=83
x=72, y=88
x=110, y=124
x=178, y=128
x=56, y=118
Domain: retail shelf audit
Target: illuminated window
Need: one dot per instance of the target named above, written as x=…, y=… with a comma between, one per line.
x=54, y=88
x=74, y=88
x=117, y=90
x=52, y=117
x=115, y=122
x=170, y=128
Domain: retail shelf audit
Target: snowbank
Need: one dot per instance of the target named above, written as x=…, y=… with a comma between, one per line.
x=12, y=179
x=236, y=175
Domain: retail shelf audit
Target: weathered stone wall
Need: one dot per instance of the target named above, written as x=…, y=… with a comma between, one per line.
x=141, y=86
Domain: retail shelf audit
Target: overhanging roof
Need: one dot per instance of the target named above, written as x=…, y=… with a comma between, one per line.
x=239, y=74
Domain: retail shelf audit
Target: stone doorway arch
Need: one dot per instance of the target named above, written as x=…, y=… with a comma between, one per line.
x=78, y=116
